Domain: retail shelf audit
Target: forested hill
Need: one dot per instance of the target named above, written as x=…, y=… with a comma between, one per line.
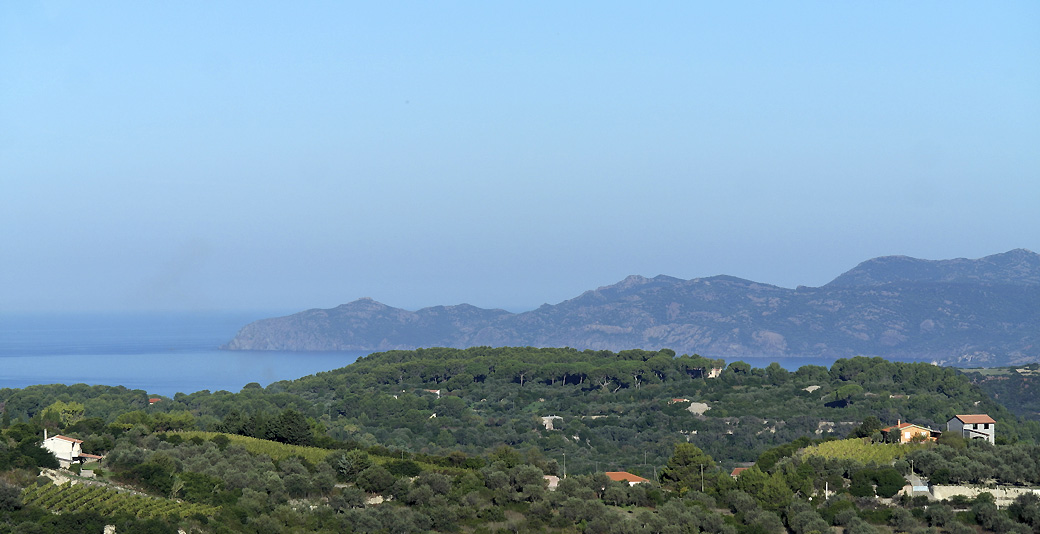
x=596, y=407
x=452, y=440
x=976, y=312
x=1018, y=389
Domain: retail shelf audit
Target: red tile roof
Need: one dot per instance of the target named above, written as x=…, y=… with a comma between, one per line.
x=66, y=438
x=975, y=419
x=901, y=426
x=625, y=476
x=737, y=471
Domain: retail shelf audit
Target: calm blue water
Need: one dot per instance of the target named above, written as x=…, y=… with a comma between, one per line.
x=160, y=353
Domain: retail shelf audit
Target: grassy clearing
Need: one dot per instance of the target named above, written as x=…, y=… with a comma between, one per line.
x=987, y=371
x=277, y=451
x=862, y=450
x=280, y=451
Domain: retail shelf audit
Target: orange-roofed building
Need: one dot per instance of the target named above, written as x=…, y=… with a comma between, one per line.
x=625, y=476
x=737, y=471
x=907, y=432
x=974, y=426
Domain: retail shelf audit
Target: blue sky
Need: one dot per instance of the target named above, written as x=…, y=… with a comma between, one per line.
x=268, y=156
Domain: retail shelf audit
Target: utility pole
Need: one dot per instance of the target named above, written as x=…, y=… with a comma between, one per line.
x=564, y=465
x=702, y=478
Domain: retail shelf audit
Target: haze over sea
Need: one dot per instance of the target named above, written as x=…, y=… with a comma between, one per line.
x=161, y=353
x=167, y=353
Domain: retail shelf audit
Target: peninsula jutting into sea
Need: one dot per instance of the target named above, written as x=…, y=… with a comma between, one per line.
x=975, y=312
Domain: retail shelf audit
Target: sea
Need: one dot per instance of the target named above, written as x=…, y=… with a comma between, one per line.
x=161, y=353
x=169, y=353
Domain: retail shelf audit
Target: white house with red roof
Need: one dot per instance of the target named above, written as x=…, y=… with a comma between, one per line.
x=973, y=426
x=67, y=450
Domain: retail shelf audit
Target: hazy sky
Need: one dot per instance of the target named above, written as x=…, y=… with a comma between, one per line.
x=293, y=155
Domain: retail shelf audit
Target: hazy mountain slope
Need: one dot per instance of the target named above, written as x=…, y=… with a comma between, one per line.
x=1018, y=266
x=984, y=311
x=365, y=325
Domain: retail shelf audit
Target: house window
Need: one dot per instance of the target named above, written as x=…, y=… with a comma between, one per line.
x=985, y=426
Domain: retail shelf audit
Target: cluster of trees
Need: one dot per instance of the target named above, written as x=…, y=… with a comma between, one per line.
x=1015, y=388
x=289, y=426
x=627, y=395
x=957, y=461
x=254, y=493
x=782, y=476
x=613, y=408
x=20, y=449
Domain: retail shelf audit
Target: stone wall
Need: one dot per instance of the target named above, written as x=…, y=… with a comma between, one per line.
x=1003, y=495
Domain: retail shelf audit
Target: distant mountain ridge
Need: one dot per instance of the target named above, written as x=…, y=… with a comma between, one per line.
x=1018, y=266
x=971, y=312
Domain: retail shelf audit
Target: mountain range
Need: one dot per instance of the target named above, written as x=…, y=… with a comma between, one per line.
x=968, y=312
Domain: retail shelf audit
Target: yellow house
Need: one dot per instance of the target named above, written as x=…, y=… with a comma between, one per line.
x=907, y=432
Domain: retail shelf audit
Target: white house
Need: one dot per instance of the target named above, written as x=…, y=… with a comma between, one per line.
x=67, y=450
x=975, y=426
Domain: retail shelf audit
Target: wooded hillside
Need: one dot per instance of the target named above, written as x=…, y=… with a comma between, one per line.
x=462, y=440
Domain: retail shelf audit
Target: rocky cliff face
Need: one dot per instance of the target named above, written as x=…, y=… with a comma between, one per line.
x=983, y=312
